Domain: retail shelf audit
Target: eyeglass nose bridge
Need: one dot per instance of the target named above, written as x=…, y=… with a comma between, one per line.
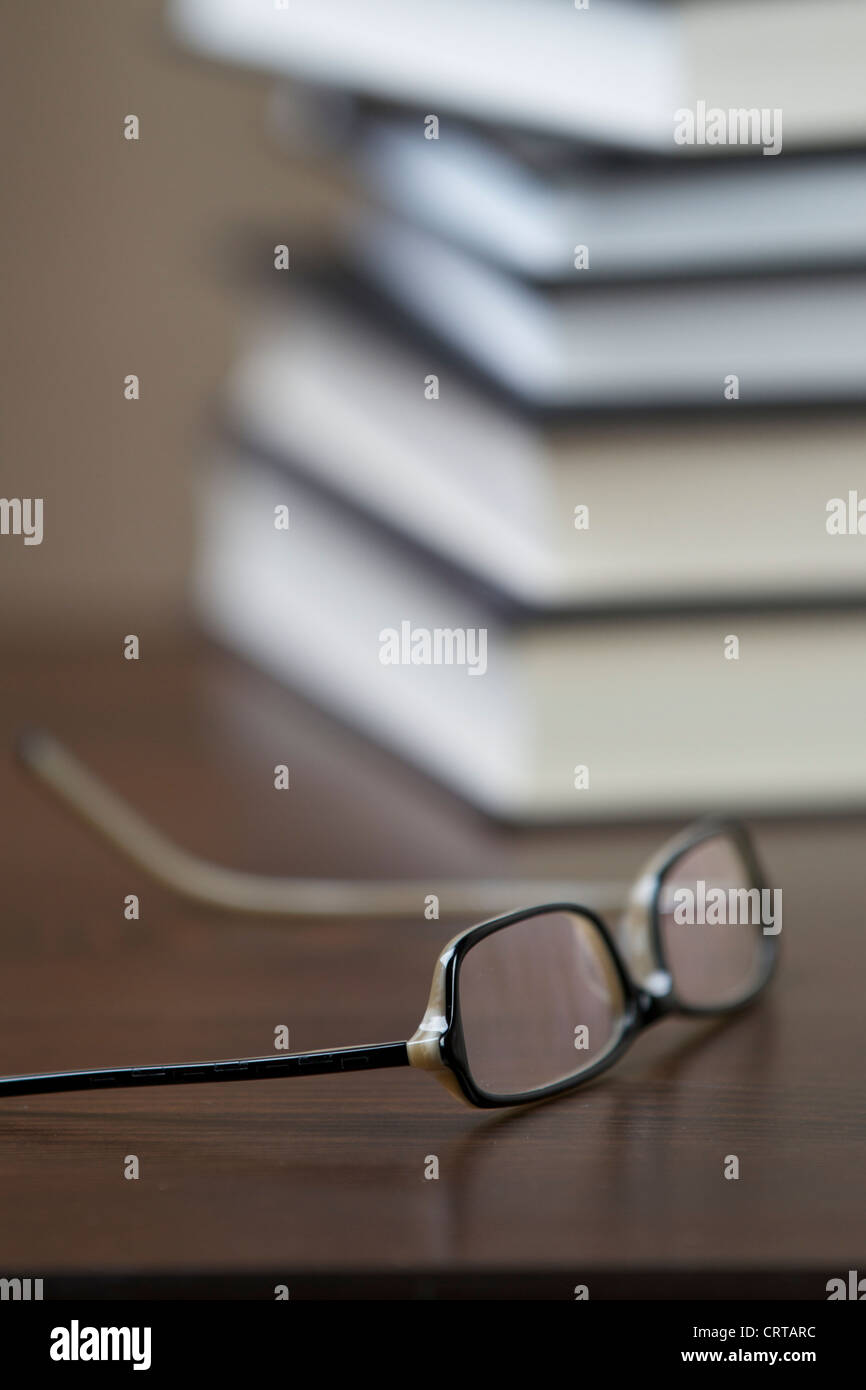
x=635, y=940
x=655, y=998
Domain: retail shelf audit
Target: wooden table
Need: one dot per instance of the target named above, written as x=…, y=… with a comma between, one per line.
x=319, y=1183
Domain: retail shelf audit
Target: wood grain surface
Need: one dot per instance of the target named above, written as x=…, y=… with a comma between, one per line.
x=321, y=1179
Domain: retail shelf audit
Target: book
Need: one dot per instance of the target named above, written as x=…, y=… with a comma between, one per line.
x=696, y=342
x=566, y=719
x=536, y=212
x=606, y=74
x=614, y=72
x=552, y=514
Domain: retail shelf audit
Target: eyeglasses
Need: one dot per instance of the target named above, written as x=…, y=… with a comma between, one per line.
x=526, y=1006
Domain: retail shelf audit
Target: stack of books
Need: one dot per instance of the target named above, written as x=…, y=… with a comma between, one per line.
x=553, y=485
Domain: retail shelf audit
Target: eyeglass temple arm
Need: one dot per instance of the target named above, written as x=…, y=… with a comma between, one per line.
x=234, y=890
x=252, y=1068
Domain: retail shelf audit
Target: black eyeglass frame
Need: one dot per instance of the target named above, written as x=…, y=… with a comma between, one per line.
x=642, y=1005
x=453, y=1042
x=736, y=832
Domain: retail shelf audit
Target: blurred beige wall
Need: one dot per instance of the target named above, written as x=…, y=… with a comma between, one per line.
x=111, y=264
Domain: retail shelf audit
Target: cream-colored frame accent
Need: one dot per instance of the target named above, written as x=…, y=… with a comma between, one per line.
x=424, y=1046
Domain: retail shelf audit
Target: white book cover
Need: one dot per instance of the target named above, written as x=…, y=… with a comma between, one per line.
x=613, y=72
x=789, y=340
x=608, y=219
x=608, y=73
